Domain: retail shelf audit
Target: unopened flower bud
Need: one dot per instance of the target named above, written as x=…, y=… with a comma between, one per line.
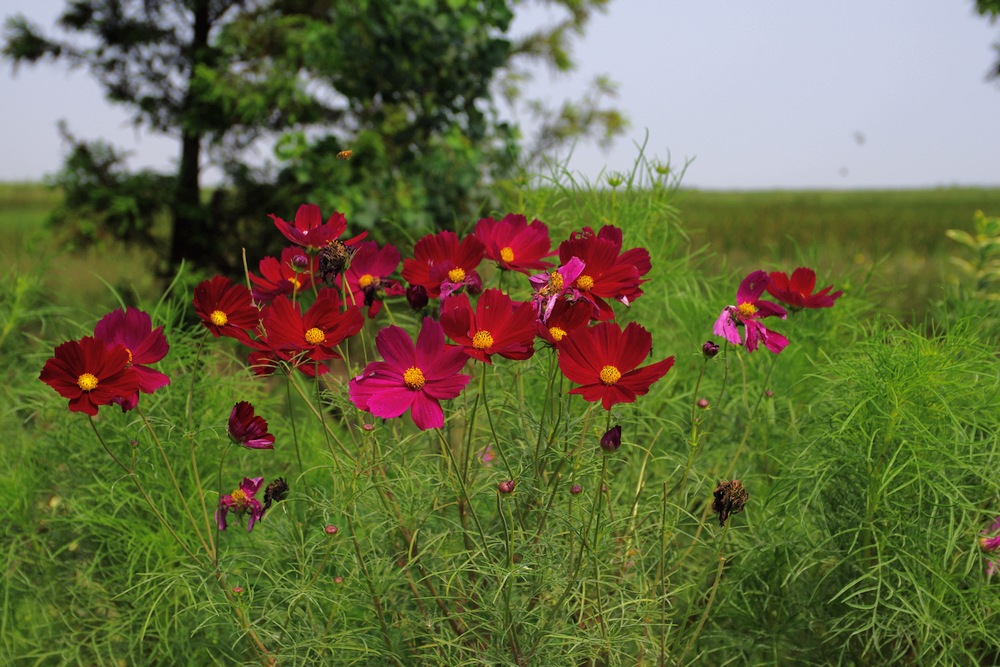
x=709, y=349
x=768, y=393
x=338, y=579
x=300, y=262
x=576, y=489
x=330, y=529
x=506, y=486
x=612, y=440
x=368, y=427
x=237, y=590
x=416, y=296
x=703, y=403
x=473, y=285
x=730, y=498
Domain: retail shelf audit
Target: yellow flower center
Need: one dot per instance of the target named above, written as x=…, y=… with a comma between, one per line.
x=584, y=283
x=507, y=254
x=315, y=336
x=414, y=378
x=366, y=280
x=610, y=375
x=482, y=340
x=240, y=499
x=456, y=275
x=129, y=357
x=746, y=310
x=218, y=318
x=557, y=333
x=556, y=280
x=87, y=382
x=296, y=284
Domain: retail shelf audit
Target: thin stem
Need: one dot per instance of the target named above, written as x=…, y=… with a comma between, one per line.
x=291, y=419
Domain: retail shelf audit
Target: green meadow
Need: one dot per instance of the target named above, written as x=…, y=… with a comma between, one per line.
x=868, y=449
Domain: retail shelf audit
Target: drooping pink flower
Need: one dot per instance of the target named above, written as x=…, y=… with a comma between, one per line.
x=990, y=543
x=226, y=309
x=309, y=337
x=248, y=429
x=604, y=361
x=368, y=276
x=748, y=312
x=553, y=286
x=240, y=502
x=496, y=326
x=442, y=265
x=609, y=273
x=415, y=378
x=309, y=230
x=514, y=244
x=291, y=275
x=797, y=292
x=133, y=328
x=90, y=373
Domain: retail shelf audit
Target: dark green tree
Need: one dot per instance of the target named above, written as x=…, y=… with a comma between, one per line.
x=991, y=9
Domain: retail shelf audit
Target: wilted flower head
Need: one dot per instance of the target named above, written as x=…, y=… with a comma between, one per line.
x=612, y=440
x=990, y=542
x=248, y=429
x=241, y=501
x=275, y=493
x=730, y=499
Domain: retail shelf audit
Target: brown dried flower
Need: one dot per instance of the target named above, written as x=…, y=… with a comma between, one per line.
x=730, y=498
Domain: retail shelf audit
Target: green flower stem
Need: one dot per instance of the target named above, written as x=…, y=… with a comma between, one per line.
x=489, y=417
x=503, y=502
x=541, y=421
x=222, y=459
x=318, y=413
x=661, y=579
x=711, y=595
x=465, y=491
x=291, y=419
x=189, y=400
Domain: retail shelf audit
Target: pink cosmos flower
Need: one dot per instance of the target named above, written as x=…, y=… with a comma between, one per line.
x=90, y=373
x=443, y=265
x=990, y=543
x=240, y=502
x=609, y=273
x=604, y=360
x=290, y=275
x=248, y=429
x=414, y=378
x=554, y=286
x=748, y=312
x=797, y=293
x=309, y=230
x=368, y=275
x=312, y=336
x=133, y=328
x=514, y=244
x=497, y=326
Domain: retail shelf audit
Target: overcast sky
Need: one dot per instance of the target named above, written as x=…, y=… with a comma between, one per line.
x=757, y=94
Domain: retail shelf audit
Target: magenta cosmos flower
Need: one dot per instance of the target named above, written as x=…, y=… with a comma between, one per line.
x=566, y=316
x=240, y=502
x=247, y=429
x=496, y=326
x=291, y=275
x=411, y=378
x=555, y=286
x=441, y=264
x=990, y=543
x=226, y=309
x=514, y=244
x=748, y=312
x=309, y=337
x=608, y=272
x=368, y=276
x=797, y=292
x=90, y=373
x=309, y=230
x=133, y=328
x=604, y=360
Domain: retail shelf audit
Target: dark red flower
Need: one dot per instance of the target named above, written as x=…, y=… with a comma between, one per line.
x=133, y=328
x=226, y=309
x=248, y=429
x=313, y=336
x=603, y=359
x=291, y=275
x=748, y=312
x=90, y=373
x=411, y=378
x=442, y=265
x=608, y=272
x=565, y=317
x=368, y=275
x=497, y=326
x=309, y=230
x=798, y=292
x=514, y=244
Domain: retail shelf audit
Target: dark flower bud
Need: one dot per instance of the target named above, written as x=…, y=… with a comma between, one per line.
x=330, y=529
x=506, y=487
x=338, y=579
x=275, y=493
x=769, y=394
x=703, y=403
x=576, y=489
x=612, y=440
x=300, y=263
x=416, y=296
x=473, y=285
x=709, y=349
x=730, y=498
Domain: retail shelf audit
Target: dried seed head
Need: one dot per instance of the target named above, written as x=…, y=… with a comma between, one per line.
x=730, y=498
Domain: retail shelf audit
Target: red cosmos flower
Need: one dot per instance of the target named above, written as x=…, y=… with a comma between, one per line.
x=248, y=429
x=608, y=273
x=368, y=275
x=442, y=265
x=411, y=378
x=134, y=329
x=603, y=359
x=90, y=373
x=498, y=326
x=565, y=317
x=226, y=309
x=311, y=337
x=309, y=230
x=750, y=309
x=798, y=292
x=514, y=244
x=292, y=274
x=241, y=501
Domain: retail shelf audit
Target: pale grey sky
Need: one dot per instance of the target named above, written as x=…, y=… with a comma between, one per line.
x=765, y=94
